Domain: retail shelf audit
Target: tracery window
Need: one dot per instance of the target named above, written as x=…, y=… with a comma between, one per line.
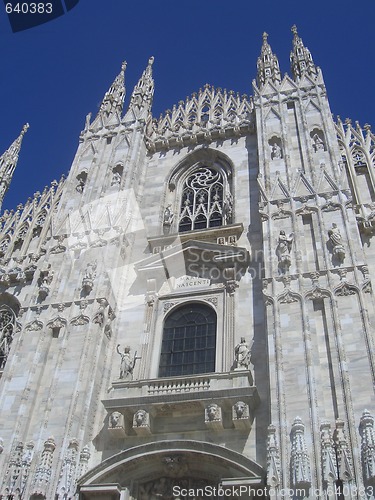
x=189, y=341
x=7, y=329
x=205, y=201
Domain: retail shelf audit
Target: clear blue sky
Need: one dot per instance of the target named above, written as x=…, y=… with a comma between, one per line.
x=54, y=74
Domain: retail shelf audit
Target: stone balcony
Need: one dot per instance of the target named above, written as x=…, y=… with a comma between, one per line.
x=155, y=395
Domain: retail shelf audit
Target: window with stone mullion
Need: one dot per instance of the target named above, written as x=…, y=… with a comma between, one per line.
x=202, y=200
x=189, y=341
x=7, y=325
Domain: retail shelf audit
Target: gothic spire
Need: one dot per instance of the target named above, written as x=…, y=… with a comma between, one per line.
x=114, y=98
x=267, y=64
x=8, y=163
x=143, y=92
x=300, y=57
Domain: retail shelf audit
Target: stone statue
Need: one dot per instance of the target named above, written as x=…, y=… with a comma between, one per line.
x=283, y=249
x=318, y=143
x=167, y=219
x=116, y=178
x=127, y=363
x=336, y=241
x=90, y=272
x=335, y=235
x=80, y=186
x=276, y=151
x=242, y=354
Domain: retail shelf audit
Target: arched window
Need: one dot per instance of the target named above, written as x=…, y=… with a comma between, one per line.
x=7, y=329
x=205, y=202
x=189, y=341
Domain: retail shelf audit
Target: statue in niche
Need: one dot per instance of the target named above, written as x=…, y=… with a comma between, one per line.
x=168, y=219
x=89, y=276
x=115, y=420
x=276, y=153
x=127, y=363
x=5, y=348
x=116, y=178
x=318, y=143
x=242, y=355
x=80, y=186
x=90, y=272
x=336, y=240
x=283, y=249
x=213, y=412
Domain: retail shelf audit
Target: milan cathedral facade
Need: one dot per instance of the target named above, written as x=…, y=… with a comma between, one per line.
x=191, y=308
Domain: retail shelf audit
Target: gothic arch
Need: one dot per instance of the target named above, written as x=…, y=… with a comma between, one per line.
x=196, y=459
x=9, y=309
x=208, y=156
x=203, y=180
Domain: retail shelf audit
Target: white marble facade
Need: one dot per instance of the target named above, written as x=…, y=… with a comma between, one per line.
x=252, y=218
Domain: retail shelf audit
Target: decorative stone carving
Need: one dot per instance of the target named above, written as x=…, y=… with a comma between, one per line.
x=89, y=276
x=80, y=320
x=168, y=218
x=116, y=425
x=13, y=475
x=231, y=282
x=35, y=325
x=329, y=466
x=283, y=251
x=228, y=208
x=300, y=462
x=45, y=281
x=175, y=465
x=366, y=428
x=141, y=423
x=43, y=471
x=242, y=355
x=213, y=417
x=67, y=481
x=241, y=416
x=84, y=458
x=127, y=363
x=345, y=462
x=273, y=458
x=335, y=238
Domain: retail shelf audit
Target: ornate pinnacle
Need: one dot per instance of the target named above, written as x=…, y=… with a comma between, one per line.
x=300, y=57
x=144, y=90
x=114, y=98
x=267, y=64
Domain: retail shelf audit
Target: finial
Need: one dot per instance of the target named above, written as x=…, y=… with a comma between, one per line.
x=25, y=128
x=123, y=65
x=265, y=37
x=294, y=30
x=151, y=61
